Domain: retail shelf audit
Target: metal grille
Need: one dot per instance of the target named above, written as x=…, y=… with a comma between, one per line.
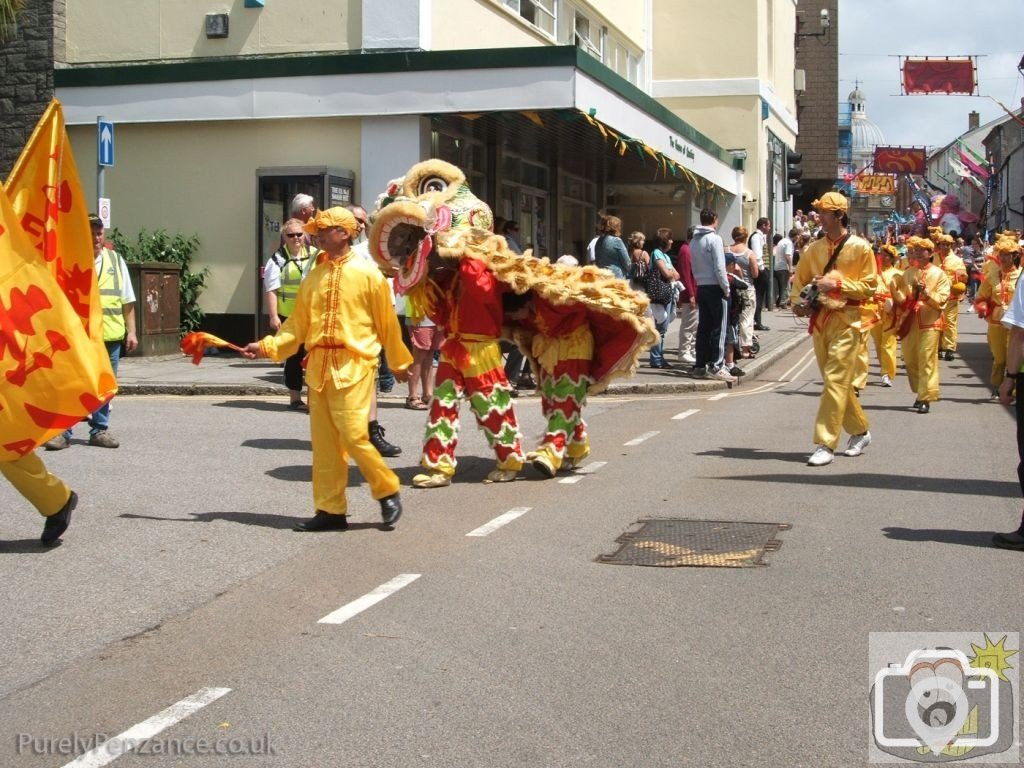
x=674, y=542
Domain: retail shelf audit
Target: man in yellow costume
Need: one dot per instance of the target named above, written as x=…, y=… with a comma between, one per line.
x=994, y=297
x=955, y=269
x=921, y=293
x=344, y=317
x=841, y=269
x=883, y=333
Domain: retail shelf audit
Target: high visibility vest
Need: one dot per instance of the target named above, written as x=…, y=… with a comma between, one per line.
x=111, y=285
x=292, y=273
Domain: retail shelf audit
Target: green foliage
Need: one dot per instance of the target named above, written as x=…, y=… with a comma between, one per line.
x=174, y=249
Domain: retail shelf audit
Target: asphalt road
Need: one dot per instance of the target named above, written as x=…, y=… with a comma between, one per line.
x=180, y=574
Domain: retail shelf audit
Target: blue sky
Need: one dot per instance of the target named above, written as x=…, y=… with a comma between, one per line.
x=872, y=32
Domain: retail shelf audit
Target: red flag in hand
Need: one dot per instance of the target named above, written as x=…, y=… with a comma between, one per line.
x=195, y=344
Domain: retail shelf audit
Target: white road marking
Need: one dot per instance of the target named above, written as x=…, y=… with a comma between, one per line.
x=571, y=480
x=124, y=742
x=719, y=396
x=488, y=528
x=685, y=414
x=592, y=467
x=638, y=440
x=369, y=600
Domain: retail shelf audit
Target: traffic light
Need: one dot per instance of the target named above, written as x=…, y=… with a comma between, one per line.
x=793, y=186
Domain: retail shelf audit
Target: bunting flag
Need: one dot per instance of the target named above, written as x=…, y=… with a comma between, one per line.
x=939, y=75
x=966, y=174
x=196, y=343
x=51, y=372
x=47, y=198
x=970, y=158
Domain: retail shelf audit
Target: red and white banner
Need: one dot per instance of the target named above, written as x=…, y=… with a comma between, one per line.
x=899, y=160
x=939, y=75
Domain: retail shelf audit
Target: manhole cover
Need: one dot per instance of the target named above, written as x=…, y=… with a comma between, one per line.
x=674, y=542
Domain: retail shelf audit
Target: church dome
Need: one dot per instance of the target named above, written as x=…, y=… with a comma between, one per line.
x=864, y=134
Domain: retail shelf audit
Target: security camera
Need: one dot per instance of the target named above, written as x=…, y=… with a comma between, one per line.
x=825, y=21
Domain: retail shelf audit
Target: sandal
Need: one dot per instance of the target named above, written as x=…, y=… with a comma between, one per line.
x=415, y=404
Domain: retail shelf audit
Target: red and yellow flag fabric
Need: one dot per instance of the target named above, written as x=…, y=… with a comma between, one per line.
x=47, y=198
x=52, y=370
x=196, y=343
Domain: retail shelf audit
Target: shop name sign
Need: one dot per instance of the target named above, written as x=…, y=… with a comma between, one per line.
x=876, y=185
x=680, y=147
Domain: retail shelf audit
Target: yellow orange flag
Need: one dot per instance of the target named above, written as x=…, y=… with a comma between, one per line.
x=52, y=371
x=51, y=208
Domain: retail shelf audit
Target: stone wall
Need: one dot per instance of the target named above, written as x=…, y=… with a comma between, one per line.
x=818, y=106
x=27, y=58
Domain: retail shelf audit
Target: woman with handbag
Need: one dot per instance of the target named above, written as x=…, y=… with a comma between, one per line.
x=747, y=270
x=662, y=293
x=641, y=261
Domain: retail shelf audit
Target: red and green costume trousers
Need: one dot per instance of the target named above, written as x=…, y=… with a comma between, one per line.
x=564, y=378
x=471, y=368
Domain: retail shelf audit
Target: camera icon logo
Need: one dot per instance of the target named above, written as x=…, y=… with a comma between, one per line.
x=938, y=700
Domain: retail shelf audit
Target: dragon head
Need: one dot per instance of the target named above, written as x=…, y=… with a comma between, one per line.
x=429, y=211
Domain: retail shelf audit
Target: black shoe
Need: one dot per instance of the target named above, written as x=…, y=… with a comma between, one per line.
x=923, y=408
x=761, y=328
x=323, y=521
x=55, y=525
x=390, y=509
x=948, y=357
x=737, y=371
x=383, y=446
x=526, y=382
x=916, y=405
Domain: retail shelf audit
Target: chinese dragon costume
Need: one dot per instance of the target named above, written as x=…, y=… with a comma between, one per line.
x=580, y=327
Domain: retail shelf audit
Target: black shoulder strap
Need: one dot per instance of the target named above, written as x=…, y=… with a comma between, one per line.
x=835, y=253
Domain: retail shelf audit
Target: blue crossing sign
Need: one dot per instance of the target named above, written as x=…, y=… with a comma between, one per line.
x=105, y=142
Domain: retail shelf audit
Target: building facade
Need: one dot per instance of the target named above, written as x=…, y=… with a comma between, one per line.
x=1004, y=147
x=556, y=110
x=817, y=63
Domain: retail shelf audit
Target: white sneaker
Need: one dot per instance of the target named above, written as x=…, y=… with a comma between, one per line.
x=857, y=444
x=886, y=381
x=722, y=374
x=688, y=360
x=820, y=457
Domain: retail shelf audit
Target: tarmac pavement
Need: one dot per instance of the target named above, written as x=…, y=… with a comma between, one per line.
x=227, y=373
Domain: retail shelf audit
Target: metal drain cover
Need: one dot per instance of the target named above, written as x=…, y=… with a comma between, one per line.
x=675, y=542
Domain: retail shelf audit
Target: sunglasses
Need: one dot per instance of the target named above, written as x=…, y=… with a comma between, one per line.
x=293, y=234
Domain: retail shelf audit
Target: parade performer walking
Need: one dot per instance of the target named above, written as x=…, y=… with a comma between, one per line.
x=883, y=333
x=921, y=293
x=955, y=269
x=344, y=317
x=994, y=297
x=436, y=236
x=841, y=275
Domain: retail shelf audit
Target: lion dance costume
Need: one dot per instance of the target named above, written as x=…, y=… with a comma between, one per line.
x=581, y=327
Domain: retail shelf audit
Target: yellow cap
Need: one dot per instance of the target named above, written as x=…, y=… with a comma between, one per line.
x=333, y=217
x=1007, y=243
x=922, y=243
x=890, y=250
x=831, y=201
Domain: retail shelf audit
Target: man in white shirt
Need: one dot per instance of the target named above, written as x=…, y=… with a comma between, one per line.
x=758, y=243
x=782, y=268
x=1013, y=319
